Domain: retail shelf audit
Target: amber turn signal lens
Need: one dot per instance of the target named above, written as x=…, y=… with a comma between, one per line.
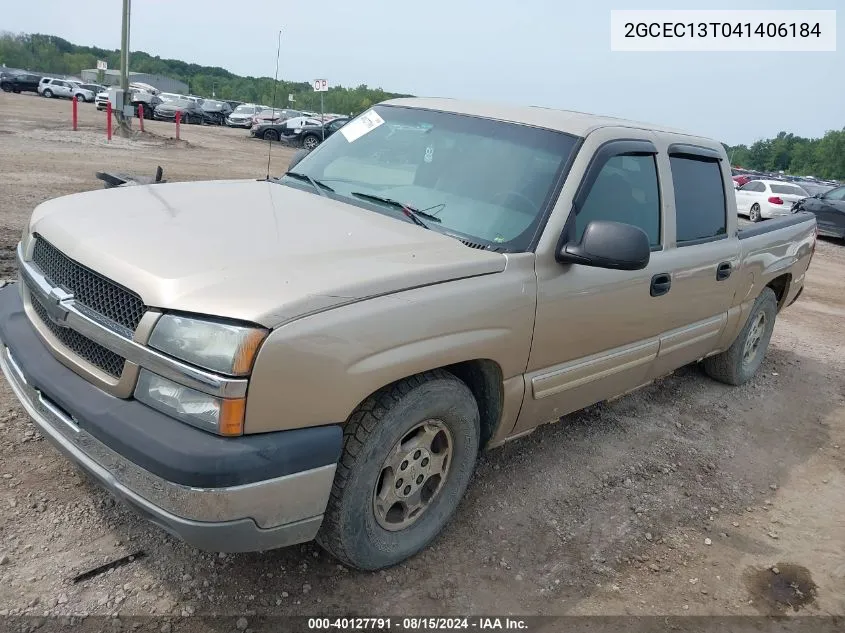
x=232, y=416
x=247, y=351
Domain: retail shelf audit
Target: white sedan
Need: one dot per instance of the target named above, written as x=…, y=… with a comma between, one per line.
x=763, y=199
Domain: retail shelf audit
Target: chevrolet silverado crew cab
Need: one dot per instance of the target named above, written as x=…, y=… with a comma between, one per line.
x=257, y=363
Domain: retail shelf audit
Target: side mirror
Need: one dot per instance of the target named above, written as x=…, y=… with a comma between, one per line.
x=609, y=245
x=298, y=156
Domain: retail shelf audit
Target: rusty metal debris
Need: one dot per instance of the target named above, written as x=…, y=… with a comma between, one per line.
x=120, y=562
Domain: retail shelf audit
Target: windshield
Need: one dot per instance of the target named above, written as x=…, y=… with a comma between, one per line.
x=212, y=105
x=242, y=109
x=794, y=190
x=180, y=103
x=482, y=179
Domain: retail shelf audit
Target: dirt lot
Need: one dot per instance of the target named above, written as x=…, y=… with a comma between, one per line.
x=675, y=500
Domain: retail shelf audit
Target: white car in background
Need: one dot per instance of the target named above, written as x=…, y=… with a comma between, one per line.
x=50, y=87
x=764, y=199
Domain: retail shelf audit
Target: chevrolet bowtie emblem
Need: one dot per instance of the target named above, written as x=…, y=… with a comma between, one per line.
x=54, y=307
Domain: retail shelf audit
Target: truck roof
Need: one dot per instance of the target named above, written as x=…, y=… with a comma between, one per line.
x=569, y=121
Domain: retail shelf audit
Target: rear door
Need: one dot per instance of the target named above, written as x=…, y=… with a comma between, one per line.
x=703, y=255
x=830, y=215
x=748, y=194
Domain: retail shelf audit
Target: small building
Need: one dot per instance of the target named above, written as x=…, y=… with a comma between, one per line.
x=111, y=77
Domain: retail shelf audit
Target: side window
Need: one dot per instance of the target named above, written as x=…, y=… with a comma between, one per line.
x=835, y=194
x=700, y=209
x=624, y=191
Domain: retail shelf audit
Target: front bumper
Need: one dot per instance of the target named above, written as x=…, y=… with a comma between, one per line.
x=243, y=513
x=246, y=124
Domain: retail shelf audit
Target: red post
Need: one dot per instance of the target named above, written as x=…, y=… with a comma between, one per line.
x=108, y=120
x=141, y=116
x=178, y=120
x=74, y=113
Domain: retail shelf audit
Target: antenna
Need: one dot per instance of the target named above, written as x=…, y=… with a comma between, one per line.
x=275, y=83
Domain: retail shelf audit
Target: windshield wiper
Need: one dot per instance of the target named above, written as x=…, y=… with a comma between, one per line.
x=319, y=186
x=411, y=212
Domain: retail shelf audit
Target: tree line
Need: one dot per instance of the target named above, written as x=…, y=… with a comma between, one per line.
x=795, y=155
x=51, y=54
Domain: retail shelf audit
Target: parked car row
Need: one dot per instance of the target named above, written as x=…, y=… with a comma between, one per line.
x=299, y=132
x=762, y=199
x=49, y=87
x=296, y=127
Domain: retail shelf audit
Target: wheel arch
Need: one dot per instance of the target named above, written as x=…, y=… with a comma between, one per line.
x=484, y=379
x=780, y=286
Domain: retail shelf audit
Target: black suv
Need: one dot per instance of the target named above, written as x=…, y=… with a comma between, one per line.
x=23, y=82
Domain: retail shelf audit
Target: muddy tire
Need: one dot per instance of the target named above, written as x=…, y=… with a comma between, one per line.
x=410, y=450
x=738, y=364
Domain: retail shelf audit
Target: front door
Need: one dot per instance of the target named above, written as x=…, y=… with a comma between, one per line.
x=829, y=211
x=597, y=330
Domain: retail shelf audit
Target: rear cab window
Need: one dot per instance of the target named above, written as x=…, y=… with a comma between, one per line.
x=701, y=210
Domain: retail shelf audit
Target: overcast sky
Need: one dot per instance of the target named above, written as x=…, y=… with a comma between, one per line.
x=536, y=52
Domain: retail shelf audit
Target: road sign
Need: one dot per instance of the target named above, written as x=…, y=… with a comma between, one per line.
x=102, y=65
x=321, y=85
x=290, y=98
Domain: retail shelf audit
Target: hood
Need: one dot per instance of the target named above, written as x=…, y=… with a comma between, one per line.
x=252, y=250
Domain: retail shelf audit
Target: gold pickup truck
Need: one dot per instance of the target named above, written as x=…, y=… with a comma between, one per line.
x=253, y=364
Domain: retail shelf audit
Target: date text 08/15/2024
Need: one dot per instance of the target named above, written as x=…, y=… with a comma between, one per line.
x=417, y=624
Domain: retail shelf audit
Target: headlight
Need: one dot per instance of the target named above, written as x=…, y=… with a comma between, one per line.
x=213, y=345
x=218, y=415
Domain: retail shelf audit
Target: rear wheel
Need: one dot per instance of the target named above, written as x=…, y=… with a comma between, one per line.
x=48, y=93
x=738, y=364
x=310, y=142
x=409, y=452
x=754, y=214
x=6, y=87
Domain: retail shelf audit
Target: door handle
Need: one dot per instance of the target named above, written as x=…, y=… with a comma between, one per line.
x=660, y=284
x=723, y=271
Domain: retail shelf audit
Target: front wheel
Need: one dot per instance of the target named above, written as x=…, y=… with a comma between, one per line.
x=754, y=214
x=409, y=452
x=271, y=135
x=738, y=364
x=6, y=88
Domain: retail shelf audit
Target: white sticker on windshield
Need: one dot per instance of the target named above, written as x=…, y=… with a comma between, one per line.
x=367, y=122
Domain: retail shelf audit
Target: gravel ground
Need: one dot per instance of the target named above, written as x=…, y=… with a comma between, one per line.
x=678, y=499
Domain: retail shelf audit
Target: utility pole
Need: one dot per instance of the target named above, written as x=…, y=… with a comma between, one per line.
x=124, y=63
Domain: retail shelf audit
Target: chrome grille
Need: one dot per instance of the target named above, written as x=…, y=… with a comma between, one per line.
x=85, y=348
x=116, y=304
